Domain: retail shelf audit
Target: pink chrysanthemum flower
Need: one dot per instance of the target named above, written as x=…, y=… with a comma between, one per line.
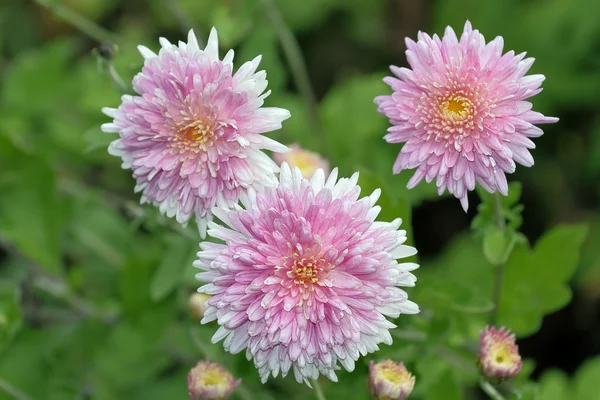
x=193, y=136
x=308, y=161
x=390, y=381
x=461, y=112
x=499, y=357
x=306, y=277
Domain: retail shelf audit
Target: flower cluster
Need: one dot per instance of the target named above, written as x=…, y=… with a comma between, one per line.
x=304, y=277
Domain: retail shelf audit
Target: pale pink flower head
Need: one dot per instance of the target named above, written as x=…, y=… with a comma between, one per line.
x=499, y=357
x=209, y=381
x=461, y=112
x=306, y=276
x=307, y=161
x=390, y=381
x=193, y=135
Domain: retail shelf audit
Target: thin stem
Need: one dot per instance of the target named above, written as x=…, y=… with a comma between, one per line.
x=501, y=222
x=295, y=59
x=79, y=21
x=60, y=290
x=318, y=389
x=490, y=390
x=500, y=219
x=12, y=391
x=455, y=359
x=116, y=78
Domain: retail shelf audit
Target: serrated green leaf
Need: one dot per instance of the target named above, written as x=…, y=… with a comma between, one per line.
x=535, y=282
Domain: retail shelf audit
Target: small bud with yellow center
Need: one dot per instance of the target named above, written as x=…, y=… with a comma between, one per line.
x=499, y=357
x=209, y=381
x=196, y=305
x=390, y=381
x=307, y=161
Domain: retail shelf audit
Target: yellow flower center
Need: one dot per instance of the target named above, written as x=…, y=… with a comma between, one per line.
x=456, y=107
x=196, y=136
x=502, y=354
x=213, y=377
x=393, y=374
x=305, y=271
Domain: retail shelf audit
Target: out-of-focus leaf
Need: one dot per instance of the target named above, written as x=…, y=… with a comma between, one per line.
x=351, y=123
x=131, y=357
x=179, y=254
x=586, y=381
x=31, y=211
x=459, y=280
x=392, y=206
x=554, y=385
x=436, y=380
x=301, y=15
x=535, y=281
x=10, y=313
x=262, y=40
x=135, y=280
x=20, y=364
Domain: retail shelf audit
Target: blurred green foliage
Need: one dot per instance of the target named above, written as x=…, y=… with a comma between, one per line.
x=94, y=287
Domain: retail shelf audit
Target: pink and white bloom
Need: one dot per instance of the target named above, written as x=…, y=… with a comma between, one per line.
x=461, y=112
x=499, y=357
x=308, y=161
x=193, y=135
x=390, y=381
x=306, y=276
x=210, y=381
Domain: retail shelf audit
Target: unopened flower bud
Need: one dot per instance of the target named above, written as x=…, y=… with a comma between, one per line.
x=390, y=381
x=499, y=357
x=196, y=305
x=307, y=161
x=209, y=381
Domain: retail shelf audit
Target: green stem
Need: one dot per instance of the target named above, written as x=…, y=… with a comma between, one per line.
x=59, y=289
x=501, y=222
x=490, y=390
x=293, y=55
x=12, y=391
x=318, y=389
x=116, y=78
x=79, y=21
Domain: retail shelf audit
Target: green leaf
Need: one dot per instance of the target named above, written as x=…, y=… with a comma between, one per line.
x=459, y=280
x=263, y=40
x=436, y=380
x=554, y=385
x=586, y=381
x=535, y=282
x=179, y=254
x=392, y=206
x=31, y=211
x=11, y=315
x=496, y=245
x=351, y=123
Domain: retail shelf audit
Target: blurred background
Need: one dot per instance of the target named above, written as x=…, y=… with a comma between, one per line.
x=94, y=288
